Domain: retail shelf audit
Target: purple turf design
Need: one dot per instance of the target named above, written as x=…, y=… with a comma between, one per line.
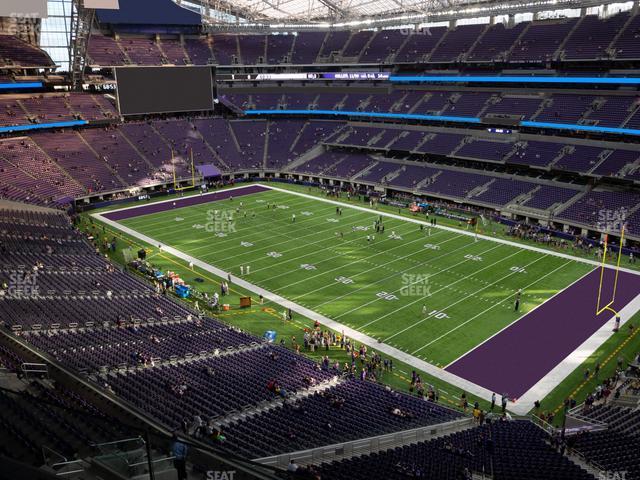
x=518, y=357
x=183, y=202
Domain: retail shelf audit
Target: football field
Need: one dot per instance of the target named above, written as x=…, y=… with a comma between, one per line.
x=439, y=295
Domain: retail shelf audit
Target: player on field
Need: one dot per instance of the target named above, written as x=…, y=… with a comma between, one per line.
x=517, y=302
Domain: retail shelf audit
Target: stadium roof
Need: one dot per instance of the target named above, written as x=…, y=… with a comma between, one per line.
x=397, y=11
x=288, y=9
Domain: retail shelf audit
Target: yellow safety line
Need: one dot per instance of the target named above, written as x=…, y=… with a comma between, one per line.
x=605, y=362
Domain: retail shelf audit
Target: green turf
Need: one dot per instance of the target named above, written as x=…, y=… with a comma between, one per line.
x=389, y=280
x=258, y=320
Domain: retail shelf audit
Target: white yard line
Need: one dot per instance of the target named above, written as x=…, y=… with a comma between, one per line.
x=271, y=246
x=384, y=279
x=522, y=405
x=222, y=243
x=343, y=266
x=489, y=308
x=359, y=273
x=418, y=280
x=455, y=230
x=419, y=322
x=416, y=363
x=307, y=245
x=192, y=216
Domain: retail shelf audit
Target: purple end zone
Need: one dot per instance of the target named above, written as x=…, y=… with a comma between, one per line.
x=183, y=202
x=517, y=358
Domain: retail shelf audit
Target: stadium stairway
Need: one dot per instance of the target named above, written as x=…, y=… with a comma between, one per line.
x=305, y=157
x=628, y=400
x=265, y=153
x=424, y=181
x=593, y=469
x=362, y=173
x=267, y=405
x=610, y=47
x=559, y=53
x=563, y=206
x=478, y=39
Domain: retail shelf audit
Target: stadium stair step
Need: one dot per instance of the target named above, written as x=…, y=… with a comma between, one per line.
x=590, y=468
x=265, y=153
x=402, y=45
x=633, y=111
x=366, y=46
x=610, y=47
x=428, y=55
x=122, y=50
x=419, y=102
x=234, y=138
x=135, y=148
x=289, y=54
x=295, y=140
x=308, y=155
x=564, y=206
x=238, y=55
x=27, y=113
x=267, y=405
x=424, y=181
x=386, y=145
x=209, y=147
x=544, y=103
x=463, y=142
x=563, y=151
x=425, y=139
x=558, y=54
x=97, y=155
x=520, y=199
x=517, y=41
x=367, y=169
x=476, y=43
x=480, y=189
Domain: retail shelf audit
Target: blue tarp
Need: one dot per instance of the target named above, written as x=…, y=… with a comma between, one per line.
x=208, y=170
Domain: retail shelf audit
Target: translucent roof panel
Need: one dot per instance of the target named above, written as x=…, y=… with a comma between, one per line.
x=343, y=9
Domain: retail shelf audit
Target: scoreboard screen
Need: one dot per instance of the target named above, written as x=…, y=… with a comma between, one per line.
x=143, y=90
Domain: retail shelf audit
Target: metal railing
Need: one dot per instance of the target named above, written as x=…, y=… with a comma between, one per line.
x=364, y=446
x=35, y=368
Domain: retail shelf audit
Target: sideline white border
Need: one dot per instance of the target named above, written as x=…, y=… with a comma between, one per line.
x=521, y=407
